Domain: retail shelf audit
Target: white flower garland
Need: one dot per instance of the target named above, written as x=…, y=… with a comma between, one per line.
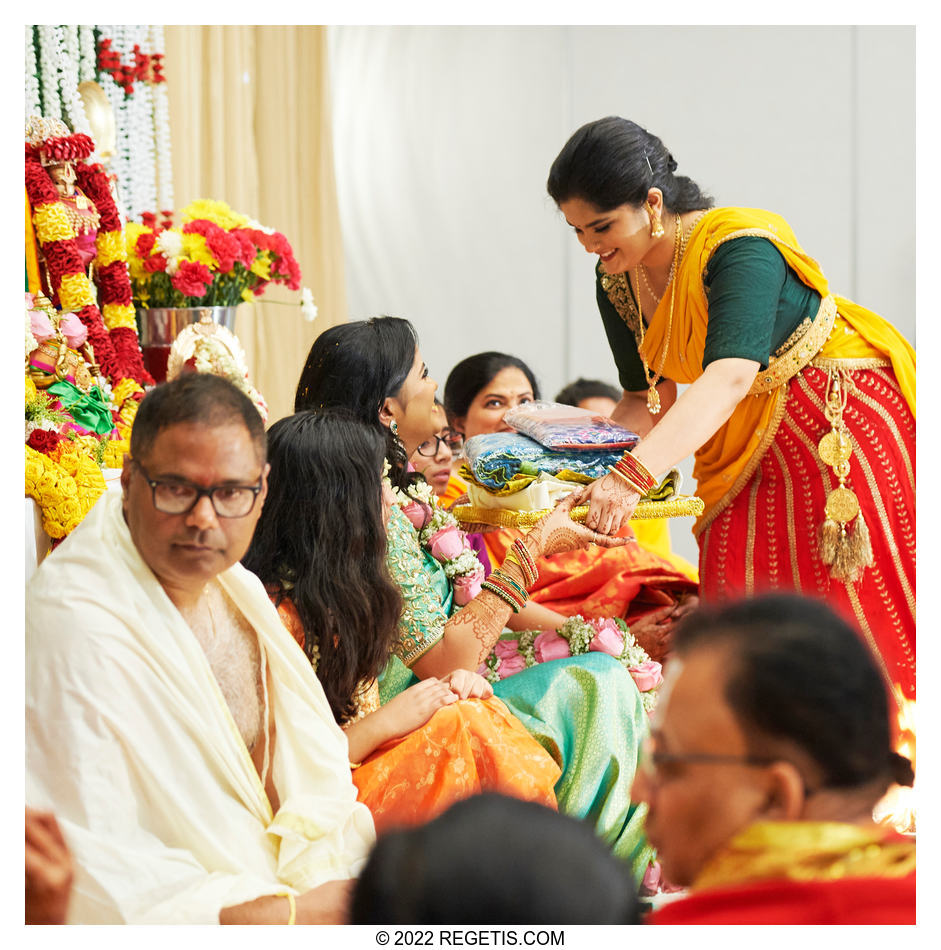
x=140, y=116
x=121, y=164
x=68, y=66
x=86, y=54
x=49, y=72
x=161, y=110
x=32, y=80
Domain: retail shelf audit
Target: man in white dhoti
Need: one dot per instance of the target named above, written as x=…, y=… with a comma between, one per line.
x=173, y=726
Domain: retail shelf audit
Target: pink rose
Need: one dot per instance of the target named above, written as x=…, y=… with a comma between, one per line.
x=550, y=646
x=511, y=665
x=651, y=881
x=647, y=675
x=74, y=331
x=608, y=639
x=41, y=326
x=467, y=586
x=506, y=648
x=418, y=513
x=446, y=543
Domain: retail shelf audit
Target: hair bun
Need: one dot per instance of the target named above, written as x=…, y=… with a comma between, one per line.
x=900, y=769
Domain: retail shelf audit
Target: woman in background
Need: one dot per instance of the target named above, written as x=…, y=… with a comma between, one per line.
x=632, y=582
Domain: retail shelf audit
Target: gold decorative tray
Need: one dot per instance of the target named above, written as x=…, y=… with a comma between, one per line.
x=678, y=506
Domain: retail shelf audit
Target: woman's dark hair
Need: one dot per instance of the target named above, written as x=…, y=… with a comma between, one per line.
x=801, y=673
x=357, y=366
x=583, y=388
x=471, y=375
x=321, y=541
x=612, y=162
x=494, y=860
x=195, y=398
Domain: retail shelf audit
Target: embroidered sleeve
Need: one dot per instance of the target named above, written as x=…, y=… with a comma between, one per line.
x=424, y=612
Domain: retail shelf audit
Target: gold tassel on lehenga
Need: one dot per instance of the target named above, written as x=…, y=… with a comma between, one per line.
x=845, y=550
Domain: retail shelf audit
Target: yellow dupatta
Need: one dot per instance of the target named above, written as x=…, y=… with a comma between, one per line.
x=726, y=461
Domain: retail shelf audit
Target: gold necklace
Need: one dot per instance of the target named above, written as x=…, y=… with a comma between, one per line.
x=653, y=397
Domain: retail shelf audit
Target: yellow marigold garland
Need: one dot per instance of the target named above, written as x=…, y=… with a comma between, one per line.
x=111, y=247
x=118, y=315
x=56, y=493
x=52, y=223
x=75, y=292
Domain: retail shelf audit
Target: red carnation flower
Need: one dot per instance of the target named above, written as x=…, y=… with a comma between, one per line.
x=154, y=263
x=43, y=440
x=192, y=279
x=149, y=219
x=145, y=244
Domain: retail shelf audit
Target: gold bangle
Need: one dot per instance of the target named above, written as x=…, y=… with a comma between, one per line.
x=292, y=904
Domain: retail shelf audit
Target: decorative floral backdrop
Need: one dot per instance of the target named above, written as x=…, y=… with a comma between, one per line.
x=127, y=62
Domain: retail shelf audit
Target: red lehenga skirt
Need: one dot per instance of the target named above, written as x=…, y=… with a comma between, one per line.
x=766, y=539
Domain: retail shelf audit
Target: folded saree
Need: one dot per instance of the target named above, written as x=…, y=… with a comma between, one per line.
x=561, y=427
x=497, y=457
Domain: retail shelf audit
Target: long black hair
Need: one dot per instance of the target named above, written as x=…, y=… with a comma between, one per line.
x=321, y=541
x=612, y=162
x=357, y=366
x=800, y=672
x=472, y=374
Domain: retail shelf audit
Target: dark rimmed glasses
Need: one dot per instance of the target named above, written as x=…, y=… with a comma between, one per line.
x=453, y=440
x=176, y=496
x=655, y=764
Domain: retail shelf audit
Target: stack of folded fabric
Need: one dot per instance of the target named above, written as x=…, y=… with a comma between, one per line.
x=514, y=477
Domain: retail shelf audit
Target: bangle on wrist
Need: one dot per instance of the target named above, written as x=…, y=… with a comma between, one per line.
x=292, y=906
x=624, y=478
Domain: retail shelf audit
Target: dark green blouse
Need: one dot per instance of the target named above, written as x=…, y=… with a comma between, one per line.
x=755, y=303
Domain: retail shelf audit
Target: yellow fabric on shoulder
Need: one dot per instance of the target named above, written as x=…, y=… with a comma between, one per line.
x=860, y=334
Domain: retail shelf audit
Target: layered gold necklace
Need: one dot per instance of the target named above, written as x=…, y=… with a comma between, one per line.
x=653, y=397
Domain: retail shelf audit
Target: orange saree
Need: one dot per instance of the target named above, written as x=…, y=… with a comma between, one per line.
x=471, y=746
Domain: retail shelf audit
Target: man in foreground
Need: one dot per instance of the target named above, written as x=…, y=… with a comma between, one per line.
x=768, y=751
x=173, y=726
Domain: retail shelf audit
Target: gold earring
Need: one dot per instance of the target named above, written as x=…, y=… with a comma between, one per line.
x=656, y=227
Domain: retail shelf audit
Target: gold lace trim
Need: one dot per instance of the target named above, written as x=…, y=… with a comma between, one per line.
x=800, y=353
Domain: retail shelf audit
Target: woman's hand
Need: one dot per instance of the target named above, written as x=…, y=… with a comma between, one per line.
x=611, y=502
x=413, y=707
x=469, y=685
x=555, y=531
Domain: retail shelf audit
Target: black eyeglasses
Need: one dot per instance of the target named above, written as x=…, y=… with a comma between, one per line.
x=652, y=762
x=177, y=496
x=453, y=440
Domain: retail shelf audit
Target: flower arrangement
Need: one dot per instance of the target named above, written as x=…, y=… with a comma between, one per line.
x=440, y=534
x=111, y=329
x=216, y=257
x=514, y=653
x=71, y=432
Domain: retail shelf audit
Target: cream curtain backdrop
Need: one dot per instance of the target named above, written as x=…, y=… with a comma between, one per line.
x=250, y=125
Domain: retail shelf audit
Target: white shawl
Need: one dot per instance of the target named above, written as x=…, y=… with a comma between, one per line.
x=131, y=744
